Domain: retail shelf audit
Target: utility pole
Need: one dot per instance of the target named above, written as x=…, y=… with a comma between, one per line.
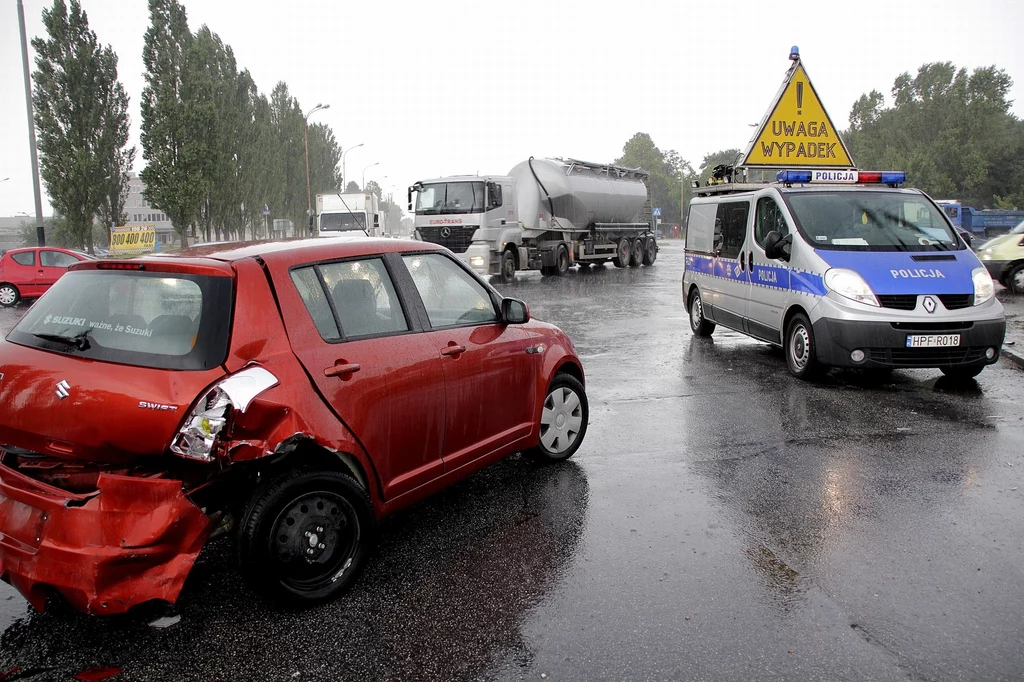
x=40, y=229
x=305, y=142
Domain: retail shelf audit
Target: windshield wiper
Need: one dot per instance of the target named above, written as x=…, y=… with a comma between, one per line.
x=79, y=340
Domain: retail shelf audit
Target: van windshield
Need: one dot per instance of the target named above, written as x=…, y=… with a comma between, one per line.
x=871, y=221
x=146, y=319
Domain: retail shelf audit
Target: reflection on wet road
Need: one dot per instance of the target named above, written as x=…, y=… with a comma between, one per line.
x=721, y=521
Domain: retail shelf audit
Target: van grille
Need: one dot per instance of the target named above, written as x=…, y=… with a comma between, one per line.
x=925, y=357
x=957, y=301
x=899, y=301
x=458, y=237
x=932, y=326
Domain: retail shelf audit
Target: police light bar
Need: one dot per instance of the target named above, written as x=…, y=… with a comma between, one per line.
x=841, y=177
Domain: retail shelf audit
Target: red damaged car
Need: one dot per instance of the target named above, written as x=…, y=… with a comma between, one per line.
x=293, y=392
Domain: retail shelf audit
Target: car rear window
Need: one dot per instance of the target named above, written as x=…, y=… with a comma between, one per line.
x=24, y=258
x=147, y=319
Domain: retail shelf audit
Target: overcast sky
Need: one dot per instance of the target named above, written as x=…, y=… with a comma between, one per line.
x=443, y=88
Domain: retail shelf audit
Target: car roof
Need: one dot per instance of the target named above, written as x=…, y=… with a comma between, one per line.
x=302, y=249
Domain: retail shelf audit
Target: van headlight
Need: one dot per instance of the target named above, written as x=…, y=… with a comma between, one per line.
x=984, y=289
x=197, y=435
x=849, y=284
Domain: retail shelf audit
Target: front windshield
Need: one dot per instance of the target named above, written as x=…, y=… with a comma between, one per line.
x=871, y=221
x=1019, y=229
x=341, y=222
x=447, y=198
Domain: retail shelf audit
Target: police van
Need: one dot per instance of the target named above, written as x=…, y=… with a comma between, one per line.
x=840, y=268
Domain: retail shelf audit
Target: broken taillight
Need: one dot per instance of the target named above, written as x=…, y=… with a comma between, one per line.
x=198, y=433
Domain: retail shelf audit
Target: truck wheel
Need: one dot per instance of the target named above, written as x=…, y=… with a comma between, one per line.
x=563, y=420
x=305, y=536
x=9, y=295
x=801, y=353
x=636, y=256
x=622, y=253
x=650, y=251
x=508, y=267
x=561, y=261
x=698, y=323
x=1014, y=281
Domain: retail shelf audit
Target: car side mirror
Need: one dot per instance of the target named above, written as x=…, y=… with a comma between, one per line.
x=514, y=311
x=775, y=245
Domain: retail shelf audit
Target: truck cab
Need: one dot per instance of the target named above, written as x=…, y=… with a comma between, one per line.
x=466, y=214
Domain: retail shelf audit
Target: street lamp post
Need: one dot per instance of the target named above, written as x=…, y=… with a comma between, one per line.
x=375, y=163
x=344, y=176
x=40, y=230
x=305, y=142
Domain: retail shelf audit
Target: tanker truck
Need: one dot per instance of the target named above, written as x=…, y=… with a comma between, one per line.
x=545, y=214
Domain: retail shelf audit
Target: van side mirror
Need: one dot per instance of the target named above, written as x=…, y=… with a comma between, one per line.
x=514, y=311
x=775, y=245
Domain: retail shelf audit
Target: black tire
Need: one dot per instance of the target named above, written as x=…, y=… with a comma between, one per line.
x=305, y=537
x=622, y=253
x=559, y=415
x=1015, y=280
x=508, y=267
x=801, y=351
x=962, y=373
x=561, y=261
x=9, y=295
x=650, y=251
x=699, y=325
x=637, y=250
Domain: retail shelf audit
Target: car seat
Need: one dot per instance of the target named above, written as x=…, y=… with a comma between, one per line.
x=357, y=307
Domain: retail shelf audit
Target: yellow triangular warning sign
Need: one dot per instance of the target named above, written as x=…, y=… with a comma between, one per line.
x=797, y=132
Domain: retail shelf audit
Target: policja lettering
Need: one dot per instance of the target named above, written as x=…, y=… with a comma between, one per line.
x=917, y=274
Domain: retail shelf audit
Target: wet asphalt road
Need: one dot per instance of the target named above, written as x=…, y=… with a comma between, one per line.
x=722, y=521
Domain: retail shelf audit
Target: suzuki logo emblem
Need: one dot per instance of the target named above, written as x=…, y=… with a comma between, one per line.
x=929, y=304
x=446, y=232
x=63, y=389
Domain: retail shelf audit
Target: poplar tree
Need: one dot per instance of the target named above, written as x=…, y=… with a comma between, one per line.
x=172, y=140
x=81, y=115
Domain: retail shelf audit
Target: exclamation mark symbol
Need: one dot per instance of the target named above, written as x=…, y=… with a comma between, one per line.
x=799, y=97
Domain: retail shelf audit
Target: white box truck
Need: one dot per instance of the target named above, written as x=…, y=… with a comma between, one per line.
x=349, y=214
x=546, y=214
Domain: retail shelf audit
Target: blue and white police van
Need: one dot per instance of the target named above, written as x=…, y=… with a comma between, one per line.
x=840, y=269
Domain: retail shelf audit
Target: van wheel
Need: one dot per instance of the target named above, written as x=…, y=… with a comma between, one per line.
x=698, y=323
x=9, y=295
x=305, y=537
x=1015, y=280
x=801, y=353
x=650, y=251
x=622, y=253
x=636, y=257
x=508, y=267
x=962, y=373
x=563, y=420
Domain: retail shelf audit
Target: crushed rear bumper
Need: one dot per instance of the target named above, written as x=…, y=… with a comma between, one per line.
x=131, y=541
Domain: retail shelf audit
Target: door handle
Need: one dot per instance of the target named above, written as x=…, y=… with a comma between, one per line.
x=342, y=370
x=750, y=261
x=742, y=258
x=453, y=350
